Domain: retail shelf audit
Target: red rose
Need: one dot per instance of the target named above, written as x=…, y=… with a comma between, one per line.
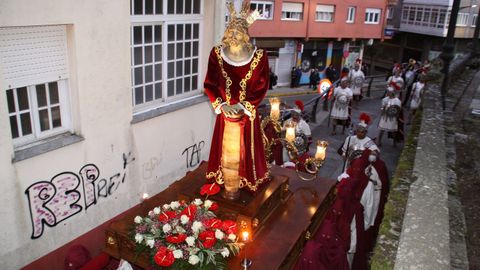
x=164, y=257
x=166, y=216
x=176, y=239
x=229, y=226
x=208, y=238
x=209, y=189
x=212, y=223
x=190, y=211
x=213, y=207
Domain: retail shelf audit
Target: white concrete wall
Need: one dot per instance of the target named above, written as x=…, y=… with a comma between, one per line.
x=99, y=82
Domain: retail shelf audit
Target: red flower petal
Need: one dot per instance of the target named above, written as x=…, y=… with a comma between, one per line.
x=164, y=257
x=190, y=211
x=166, y=216
x=229, y=226
x=176, y=239
x=212, y=223
x=208, y=238
x=209, y=189
x=213, y=207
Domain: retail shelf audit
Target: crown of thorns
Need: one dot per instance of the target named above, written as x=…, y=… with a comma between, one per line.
x=244, y=18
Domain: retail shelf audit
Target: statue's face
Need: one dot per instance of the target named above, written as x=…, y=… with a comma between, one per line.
x=235, y=38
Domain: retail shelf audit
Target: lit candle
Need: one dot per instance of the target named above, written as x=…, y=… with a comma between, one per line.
x=290, y=133
x=274, y=108
x=321, y=150
x=245, y=236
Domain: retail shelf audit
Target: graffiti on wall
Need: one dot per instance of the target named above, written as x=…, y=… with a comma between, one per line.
x=54, y=201
x=193, y=154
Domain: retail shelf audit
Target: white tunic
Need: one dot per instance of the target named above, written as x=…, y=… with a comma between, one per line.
x=340, y=106
x=417, y=90
x=396, y=82
x=356, y=78
x=371, y=197
x=354, y=143
x=388, y=122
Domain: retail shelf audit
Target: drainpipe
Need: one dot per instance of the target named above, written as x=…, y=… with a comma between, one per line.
x=307, y=30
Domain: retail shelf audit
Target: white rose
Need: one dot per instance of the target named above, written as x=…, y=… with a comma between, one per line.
x=197, y=202
x=150, y=213
x=225, y=252
x=219, y=234
x=166, y=206
x=138, y=238
x=177, y=254
x=138, y=219
x=156, y=210
x=232, y=237
x=184, y=219
x=207, y=204
x=190, y=240
x=193, y=259
x=174, y=205
x=196, y=226
x=151, y=243
x=166, y=228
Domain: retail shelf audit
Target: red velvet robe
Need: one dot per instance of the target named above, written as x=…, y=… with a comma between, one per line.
x=253, y=169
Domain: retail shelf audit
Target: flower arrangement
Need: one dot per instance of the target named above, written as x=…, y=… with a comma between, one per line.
x=187, y=235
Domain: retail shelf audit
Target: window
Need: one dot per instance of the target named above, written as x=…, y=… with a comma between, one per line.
x=390, y=11
x=372, y=15
x=264, y=8
x=462, y=19
x=474, y=20
x=426, y=16
x=351, y=14
x=325, y=13
x=419, y=16
x=165, y=52
x=37, y=91
x=292, y=11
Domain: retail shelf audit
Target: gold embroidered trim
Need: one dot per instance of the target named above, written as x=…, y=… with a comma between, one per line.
x=218, y=177
x=243, y=82
x=217, y=102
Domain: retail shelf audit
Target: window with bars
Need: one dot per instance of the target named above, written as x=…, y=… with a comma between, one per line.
x=165, y=51
x=351, y=14
x=372, y=15
x=265, y=8
x=37, y=111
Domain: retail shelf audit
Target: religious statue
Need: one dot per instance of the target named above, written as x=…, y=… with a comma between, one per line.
x=237, y=80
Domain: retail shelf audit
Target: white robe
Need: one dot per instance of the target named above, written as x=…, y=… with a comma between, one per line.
x=342, y=100
x=389, y=123
x=356, y=78
x=417, y=90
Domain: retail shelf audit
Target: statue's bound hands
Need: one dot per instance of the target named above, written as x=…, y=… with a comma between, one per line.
x=232, y=111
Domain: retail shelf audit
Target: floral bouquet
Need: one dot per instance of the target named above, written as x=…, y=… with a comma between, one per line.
x=187, y=236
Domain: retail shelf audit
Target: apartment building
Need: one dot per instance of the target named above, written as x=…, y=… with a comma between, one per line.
x=423, y=28
x=101, y=103
x=315, y=33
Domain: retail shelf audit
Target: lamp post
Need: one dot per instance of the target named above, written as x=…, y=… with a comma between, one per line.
x=448, y=46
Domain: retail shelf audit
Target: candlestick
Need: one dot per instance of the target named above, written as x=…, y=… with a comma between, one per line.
x=275, y=108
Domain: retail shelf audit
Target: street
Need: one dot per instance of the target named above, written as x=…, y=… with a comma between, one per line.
x=333, y=165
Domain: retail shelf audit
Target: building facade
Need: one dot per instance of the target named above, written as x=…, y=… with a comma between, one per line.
x=101, y=102
x=422, y=30
x=314, y=34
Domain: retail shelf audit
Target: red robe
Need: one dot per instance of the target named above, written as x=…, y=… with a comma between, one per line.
x=253, y=169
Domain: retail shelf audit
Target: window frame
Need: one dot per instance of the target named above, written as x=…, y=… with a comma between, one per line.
x=370, y=15
x=165, y=20
x=264, y=4
x=292, y=13
x=351, y=12
x=332, y=14
x=390, y=12
x=37, y=134
x=463, y=18
x=474, y=20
